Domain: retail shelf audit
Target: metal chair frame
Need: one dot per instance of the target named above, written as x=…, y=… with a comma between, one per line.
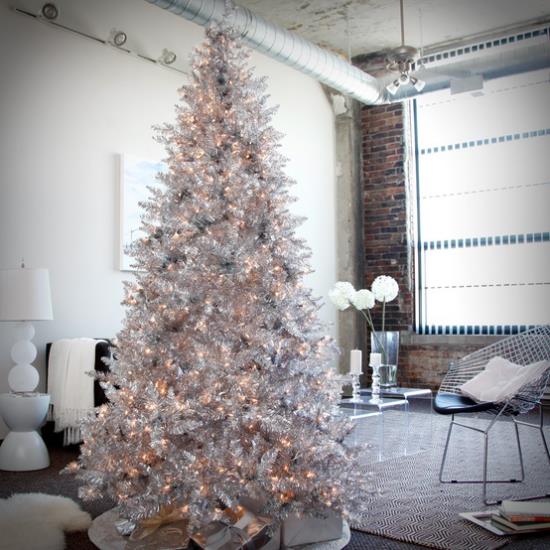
x=528, y=347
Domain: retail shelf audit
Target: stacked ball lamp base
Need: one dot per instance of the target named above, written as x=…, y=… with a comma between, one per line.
x=23, y=410
x=23, y=448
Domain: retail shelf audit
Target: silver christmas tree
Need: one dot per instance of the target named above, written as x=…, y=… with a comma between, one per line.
x=222, y=385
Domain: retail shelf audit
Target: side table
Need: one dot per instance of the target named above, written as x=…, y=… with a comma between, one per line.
x=23, y=448
x=390, y=413
x=403, y=393
x=420, y=413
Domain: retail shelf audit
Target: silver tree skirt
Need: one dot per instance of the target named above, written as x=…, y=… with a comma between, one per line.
x=105, y=536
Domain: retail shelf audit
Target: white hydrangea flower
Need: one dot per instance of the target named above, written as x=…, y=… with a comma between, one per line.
x=385, y=288
x=345, y=288
x=338, y=299
x=340, y=295
x=363, y=299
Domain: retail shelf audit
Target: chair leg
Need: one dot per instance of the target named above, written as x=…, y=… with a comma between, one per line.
x=519, y=451
x=485, y=460
x=446, y=449
x=541, y=428
x=483, y=481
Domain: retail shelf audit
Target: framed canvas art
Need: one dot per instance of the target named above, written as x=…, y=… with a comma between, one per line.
x=137, y=175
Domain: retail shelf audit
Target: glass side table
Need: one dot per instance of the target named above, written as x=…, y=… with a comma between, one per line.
x=404, y=393
x=356, y=414
x=420, y=413
x=392, y=424
x=367, y=433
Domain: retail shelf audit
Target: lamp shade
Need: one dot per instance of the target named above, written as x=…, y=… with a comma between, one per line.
x=25, y=295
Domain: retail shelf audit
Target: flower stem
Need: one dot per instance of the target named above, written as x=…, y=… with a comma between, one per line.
x=367, y=316
x=383, y=314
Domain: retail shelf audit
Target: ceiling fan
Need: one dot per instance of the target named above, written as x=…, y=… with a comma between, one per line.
x=400, y=60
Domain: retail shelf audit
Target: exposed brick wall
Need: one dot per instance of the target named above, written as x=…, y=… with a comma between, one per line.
x=424, y=365
x=385, y=209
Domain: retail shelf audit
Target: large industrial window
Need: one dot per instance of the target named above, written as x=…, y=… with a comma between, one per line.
x=483, y=216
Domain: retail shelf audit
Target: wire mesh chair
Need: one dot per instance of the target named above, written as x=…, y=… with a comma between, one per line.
x=523, y=349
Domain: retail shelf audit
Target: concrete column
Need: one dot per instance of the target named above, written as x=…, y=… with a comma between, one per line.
x=349, y=220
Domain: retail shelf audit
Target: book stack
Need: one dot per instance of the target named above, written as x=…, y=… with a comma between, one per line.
x=514, y=517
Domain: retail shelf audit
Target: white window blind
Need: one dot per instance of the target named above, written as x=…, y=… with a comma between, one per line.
x=483, y=176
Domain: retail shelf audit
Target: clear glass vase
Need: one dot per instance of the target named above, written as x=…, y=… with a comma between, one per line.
x=386, y=343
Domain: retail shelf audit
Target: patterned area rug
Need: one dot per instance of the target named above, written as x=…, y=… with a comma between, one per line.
x=410, y=505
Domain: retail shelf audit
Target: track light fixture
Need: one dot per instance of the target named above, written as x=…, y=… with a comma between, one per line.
x=167, y=57
x=118, y=38
x=50, y=11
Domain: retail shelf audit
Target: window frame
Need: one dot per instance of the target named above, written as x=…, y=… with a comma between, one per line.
x=421, y=326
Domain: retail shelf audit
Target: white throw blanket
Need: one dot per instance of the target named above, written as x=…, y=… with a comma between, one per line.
x=71, y=385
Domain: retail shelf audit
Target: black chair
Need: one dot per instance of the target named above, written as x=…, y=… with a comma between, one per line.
x=523, y=349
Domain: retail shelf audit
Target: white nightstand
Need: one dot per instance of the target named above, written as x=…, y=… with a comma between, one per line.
x=23, y=448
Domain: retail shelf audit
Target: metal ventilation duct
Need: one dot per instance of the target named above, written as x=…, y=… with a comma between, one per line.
x=491, y=56
x=285, y=46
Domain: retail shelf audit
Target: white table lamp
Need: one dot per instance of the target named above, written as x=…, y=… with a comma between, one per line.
x=24, y=296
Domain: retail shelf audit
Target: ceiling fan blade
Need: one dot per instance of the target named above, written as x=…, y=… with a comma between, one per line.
x=444, y=71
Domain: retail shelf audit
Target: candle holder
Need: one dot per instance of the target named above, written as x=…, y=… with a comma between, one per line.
x=375, y=385
x=356, y=386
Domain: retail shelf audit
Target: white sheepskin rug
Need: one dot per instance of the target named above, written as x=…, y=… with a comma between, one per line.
x=35, y=521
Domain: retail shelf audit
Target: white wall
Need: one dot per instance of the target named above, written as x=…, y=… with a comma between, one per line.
x=68, y=106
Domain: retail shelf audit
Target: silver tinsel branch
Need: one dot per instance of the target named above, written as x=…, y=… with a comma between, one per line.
x=223, y=384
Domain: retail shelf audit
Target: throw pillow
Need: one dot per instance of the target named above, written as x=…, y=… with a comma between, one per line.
x=501, y=380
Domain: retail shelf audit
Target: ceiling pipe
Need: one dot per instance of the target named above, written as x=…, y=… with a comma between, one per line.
x=286, y=47
x=530, y=53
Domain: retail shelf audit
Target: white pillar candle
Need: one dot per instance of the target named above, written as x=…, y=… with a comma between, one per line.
x=355, y=362
x=375, y=359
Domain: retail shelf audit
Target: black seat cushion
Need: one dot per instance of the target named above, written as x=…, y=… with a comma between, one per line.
x=451, y=403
